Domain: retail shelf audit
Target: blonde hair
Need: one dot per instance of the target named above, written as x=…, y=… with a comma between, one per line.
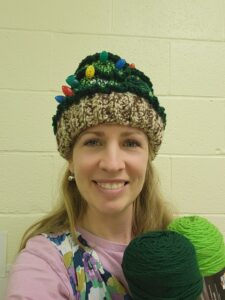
x=151, y=212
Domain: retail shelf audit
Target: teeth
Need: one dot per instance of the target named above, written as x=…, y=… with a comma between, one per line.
x=111, y=186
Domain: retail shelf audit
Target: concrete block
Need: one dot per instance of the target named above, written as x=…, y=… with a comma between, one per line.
x=197, y=68
x=187, y=19
x=15, y=225
x=198, y=184
x=195, y=126
x=69, y=16
x=3, y=282
x=25, y=60
x=26, y=121
x=151, y=56
x=3, y=247
x=25, y=183
x=84, y=16
x=28, y=15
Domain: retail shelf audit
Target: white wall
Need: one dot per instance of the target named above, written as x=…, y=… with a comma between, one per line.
x=179, y=44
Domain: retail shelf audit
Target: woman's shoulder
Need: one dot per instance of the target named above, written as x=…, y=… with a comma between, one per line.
x=40, y=248
x=39, y=264
x=39, y=244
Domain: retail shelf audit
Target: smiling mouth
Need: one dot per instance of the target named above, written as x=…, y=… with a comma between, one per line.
x=111, y=185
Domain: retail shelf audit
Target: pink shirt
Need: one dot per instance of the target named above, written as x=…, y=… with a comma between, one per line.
x=39, y=272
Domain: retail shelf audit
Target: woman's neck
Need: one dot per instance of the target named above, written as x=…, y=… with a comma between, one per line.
x=115, y=228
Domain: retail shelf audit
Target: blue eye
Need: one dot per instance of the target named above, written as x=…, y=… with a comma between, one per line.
x=132, y=143
x=92, y=142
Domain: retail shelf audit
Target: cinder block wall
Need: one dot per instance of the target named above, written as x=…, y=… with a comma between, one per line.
x=179, y=44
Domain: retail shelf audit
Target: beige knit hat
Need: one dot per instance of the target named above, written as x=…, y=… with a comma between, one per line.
x=105, y=89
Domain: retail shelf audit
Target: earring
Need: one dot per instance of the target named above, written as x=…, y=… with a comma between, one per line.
x=71, y=178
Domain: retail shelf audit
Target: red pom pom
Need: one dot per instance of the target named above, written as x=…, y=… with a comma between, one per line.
x=67, y=91
x=132, y=66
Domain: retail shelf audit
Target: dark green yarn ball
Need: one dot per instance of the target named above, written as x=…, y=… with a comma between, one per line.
x=162, y=265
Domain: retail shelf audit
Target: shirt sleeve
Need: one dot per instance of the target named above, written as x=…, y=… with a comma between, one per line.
x=39, y=273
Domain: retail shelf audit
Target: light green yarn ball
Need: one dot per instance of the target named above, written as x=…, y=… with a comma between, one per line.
x=207, y=240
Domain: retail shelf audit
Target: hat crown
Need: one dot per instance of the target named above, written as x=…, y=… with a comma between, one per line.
x=105, y=72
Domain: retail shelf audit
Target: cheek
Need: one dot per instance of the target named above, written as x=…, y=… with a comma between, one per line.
x=139, y=166
x=141, y=162
x=83, y=167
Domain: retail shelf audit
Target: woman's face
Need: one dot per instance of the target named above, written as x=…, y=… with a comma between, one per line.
x=109, y=164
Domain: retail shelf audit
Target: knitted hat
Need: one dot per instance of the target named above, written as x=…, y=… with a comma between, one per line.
x=162, y=265
x=106, y=89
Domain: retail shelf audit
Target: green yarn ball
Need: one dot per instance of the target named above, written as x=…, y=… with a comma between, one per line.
x=162, y=265
x=207, y=240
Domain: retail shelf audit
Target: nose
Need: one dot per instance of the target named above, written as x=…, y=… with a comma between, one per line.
x=112, y=159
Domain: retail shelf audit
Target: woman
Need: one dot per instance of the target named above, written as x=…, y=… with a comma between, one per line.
x=109, y=128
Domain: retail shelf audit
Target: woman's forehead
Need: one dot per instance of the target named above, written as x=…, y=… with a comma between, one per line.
x=104, y=128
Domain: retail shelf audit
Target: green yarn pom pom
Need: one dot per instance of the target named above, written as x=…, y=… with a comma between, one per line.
x=207, y=240
x=103, y=56
x=72, y=81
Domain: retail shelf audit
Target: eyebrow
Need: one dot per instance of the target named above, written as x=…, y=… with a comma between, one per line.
x=101, y=133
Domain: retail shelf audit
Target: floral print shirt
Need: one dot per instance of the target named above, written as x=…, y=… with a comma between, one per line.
x=88, y=278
